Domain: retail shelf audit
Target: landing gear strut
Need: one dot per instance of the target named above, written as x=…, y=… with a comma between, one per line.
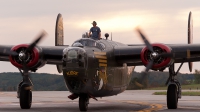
x=174, y=88
x=83, y=102
x=24, y=92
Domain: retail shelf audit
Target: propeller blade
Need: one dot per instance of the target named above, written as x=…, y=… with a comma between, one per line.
x=145, y=73
x=144, y=79
x=6, y=52
x=149, y=46
x=25, y=68
x=37, y=40
x=149, y=66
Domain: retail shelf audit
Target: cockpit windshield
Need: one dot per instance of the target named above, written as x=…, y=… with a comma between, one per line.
x=89, y=43
x=85, y=42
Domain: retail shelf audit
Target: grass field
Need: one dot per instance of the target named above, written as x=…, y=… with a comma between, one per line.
x=185, y=93
x=184, y=87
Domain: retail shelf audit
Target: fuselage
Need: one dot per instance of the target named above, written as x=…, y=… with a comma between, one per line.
x=90, y=67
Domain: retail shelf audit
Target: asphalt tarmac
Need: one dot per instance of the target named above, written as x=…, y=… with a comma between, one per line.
x=128, y=101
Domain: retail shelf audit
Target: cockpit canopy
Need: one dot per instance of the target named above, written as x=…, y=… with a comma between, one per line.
x=89, y=43
x=77, y=44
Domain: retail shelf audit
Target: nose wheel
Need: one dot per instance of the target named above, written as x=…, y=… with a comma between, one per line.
x=83, y=102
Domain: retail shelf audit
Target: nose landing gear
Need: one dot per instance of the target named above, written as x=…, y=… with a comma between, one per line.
x=83, y=102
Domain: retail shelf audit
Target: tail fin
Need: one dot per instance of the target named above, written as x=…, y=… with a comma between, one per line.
x=190, y=36
x=59, y=34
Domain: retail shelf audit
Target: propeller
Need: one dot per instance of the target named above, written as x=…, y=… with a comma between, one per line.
x=149, y=46
x=30, y=47
x=154, y=55
x=23, y=54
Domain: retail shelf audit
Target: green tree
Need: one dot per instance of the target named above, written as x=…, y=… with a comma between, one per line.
x=197, y=76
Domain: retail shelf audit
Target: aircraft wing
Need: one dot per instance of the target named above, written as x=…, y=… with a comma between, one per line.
x=53, y=55
x=180, y=53
x=38, y=57
x=174, y=53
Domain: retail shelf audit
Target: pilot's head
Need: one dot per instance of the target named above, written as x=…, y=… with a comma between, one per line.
x=94, y=23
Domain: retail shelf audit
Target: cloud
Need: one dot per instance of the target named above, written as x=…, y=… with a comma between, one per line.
x=120, y=21
x=161, y=21
x=185, y=12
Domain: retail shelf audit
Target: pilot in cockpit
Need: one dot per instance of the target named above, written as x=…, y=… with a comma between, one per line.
x=96, y=31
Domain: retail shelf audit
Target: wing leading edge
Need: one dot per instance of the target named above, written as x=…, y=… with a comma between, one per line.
x=132, y=55
x=47, y=54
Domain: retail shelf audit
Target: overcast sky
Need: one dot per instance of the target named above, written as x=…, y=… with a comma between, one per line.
x=162, y=21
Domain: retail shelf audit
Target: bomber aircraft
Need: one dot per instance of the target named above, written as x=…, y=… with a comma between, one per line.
x=99, y=68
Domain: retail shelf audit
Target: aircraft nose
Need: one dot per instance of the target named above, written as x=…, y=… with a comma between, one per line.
x=74, y=58
x=74, y=68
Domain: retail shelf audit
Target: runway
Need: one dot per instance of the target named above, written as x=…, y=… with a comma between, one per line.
x=128, y=101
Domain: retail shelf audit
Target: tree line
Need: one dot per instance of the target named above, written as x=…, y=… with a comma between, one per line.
x=41, y=81
x=154, y=79
x=53, y=82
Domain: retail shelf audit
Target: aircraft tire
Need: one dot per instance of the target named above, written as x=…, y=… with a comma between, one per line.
x=172, y=97
x=83, y=102
x=25, y=98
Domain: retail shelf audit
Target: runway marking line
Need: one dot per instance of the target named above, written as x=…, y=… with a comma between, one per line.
x=7, y=94
x=185, y=107
x=153, y=107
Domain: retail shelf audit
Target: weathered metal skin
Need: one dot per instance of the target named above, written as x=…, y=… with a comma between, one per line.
x=107, y=70
x=99, y=68
x=101, y=75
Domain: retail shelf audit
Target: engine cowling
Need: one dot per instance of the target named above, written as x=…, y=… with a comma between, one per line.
x=34, y=59
x=160, y=62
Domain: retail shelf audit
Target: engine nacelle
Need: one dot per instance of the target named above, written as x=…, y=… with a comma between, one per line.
x=160, y=62
x=34, y=59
